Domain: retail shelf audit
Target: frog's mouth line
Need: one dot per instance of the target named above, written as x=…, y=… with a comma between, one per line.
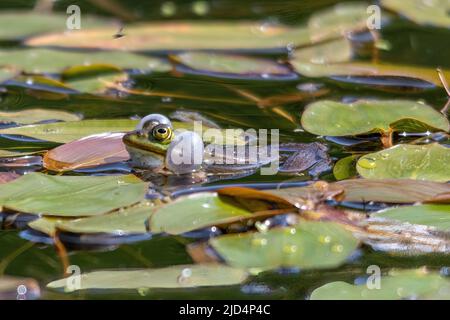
x=128, y=140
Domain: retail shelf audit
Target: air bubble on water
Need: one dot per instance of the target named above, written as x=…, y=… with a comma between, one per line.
x=261, y=227
x=259, y=242
x=324, y=239
x=309, y=87
x=206, y=205
x=166, y=99
x=290, y=249
x=184, y=276
x=367, y=163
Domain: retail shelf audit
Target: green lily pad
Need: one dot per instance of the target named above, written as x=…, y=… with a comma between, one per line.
x=431, y=215
x=419, y=162
x=36, y=115
x=55, y=61
x=63, y=132
x=332, y=118
x=310, y=245
x=368, y=69
x=6, y=73
x=398, y=284
x=174, y=277
x=17, y=25
x=345, y=168
x=125, y=221
x=327, y=24
x=337, y=50
x=433, y=12
x=38, y=193
x=195, y=212
x=229, y=64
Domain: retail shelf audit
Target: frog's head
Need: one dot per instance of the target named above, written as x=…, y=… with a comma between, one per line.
x=155, y=145
x=148, y=143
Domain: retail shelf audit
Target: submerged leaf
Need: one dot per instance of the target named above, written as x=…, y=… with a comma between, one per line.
x=180, y=276
x=38, y=193
x=332, y=118
x=36, y=115
x=434, y=12
x=90, y=151
x=310, y=245
x=398, y=284
x=419, y=162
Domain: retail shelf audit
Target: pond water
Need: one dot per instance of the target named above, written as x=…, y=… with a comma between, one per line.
x=224, y=100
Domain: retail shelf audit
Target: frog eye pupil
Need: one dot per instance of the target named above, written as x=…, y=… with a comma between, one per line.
x=161, y=131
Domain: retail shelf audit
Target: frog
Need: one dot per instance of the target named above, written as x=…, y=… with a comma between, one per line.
x=156, y=143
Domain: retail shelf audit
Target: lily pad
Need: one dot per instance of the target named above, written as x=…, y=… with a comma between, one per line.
x=332, y=118
x=90, y=151
x=431, y=215
x=174, y=36
x=434, y=12
x=126, y=221
x=55, y=61
x=38, y=193
x=63, y=132
x=419, y=162
x=398, y=284
x=229, y=65
x=368, y=69
x=345, y=168
x=195, y=212
x=180, y=276
x=333, y=51
x=36, y=115
x=17, y=25
x=310, y=245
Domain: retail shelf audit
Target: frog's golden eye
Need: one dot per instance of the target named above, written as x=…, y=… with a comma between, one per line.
x=162, y=133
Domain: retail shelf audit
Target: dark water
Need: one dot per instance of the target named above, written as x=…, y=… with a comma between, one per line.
x=410, y=44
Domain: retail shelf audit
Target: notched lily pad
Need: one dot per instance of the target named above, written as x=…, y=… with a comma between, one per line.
x=37, y=193
x=398, y=284
x=332, y=118
x=29, y=116
x=175, y=277
x=419, y=162
x=310, y=245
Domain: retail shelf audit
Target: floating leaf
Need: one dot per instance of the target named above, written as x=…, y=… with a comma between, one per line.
x=398, y=284
x=366, y=190
x=332, y=118
x=173, y=36
x=180, y=276
x=38, y=193
x=90, y=151
x=434, y=12
x=36, y=115
x=345, y=167
x=195, y=212
x=431, y=215
x=310, y=245
x=229, y=65
x=63, y=132
x=126, y=221
x=17, y=25
x=55, y=61
x=391, y=190
x=338, y=50
x=417, y=162
x=367, y=69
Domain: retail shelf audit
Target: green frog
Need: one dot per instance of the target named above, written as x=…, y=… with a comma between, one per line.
x=161, y=147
